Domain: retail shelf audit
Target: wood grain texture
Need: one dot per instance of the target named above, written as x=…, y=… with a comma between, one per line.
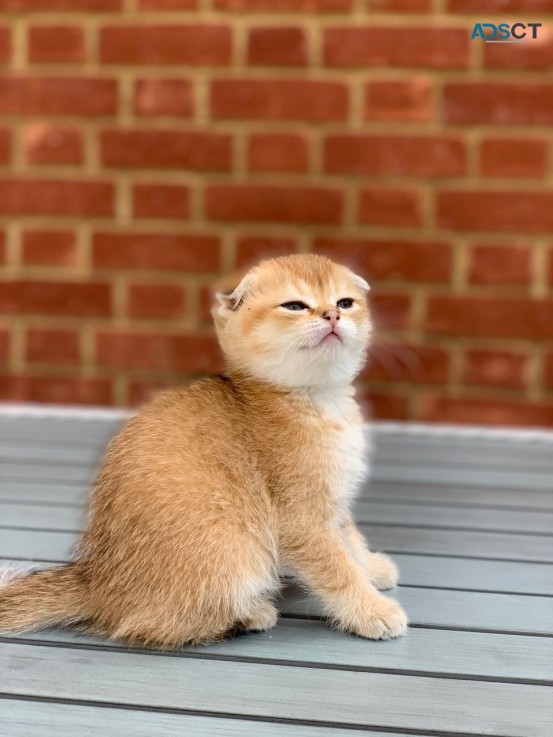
x=423, y=651
x=19, y=491
x=455, y=496
x=447, y=608
x=32, y=718
x=372, y=699
x=469, y=543
x=376, y=513
x=502, y=520
x=428, y=607
x=474, y=575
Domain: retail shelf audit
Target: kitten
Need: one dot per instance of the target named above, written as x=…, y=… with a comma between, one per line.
x=210, y=490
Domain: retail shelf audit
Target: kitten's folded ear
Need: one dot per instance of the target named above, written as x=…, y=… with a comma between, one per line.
x=360, y=282
x=230, y=292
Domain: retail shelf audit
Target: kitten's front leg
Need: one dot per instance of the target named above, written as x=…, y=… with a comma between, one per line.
x=381, y=570
x=323, y=561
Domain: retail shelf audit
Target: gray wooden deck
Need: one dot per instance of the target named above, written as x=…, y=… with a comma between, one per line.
x=468, y=518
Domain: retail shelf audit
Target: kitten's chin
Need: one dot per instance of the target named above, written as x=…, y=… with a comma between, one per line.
x=328, y=340
x=328, y=363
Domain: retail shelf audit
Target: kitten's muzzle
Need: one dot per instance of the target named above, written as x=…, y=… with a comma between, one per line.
x=332, y=316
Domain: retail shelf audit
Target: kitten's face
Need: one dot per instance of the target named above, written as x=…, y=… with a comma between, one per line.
x=296, y=321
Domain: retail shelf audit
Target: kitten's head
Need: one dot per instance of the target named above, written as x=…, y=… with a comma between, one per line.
x=296, y=321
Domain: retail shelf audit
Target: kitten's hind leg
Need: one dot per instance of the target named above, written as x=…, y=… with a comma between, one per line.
x=381, y=570
x=264, y=617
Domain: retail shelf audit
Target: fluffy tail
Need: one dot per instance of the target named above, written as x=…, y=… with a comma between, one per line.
x=40, y=599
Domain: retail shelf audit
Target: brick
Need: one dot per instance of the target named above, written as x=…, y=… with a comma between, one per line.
x=67, y=390
x=161, y=5
x=251, y=249
x=399, y=206
x=391, y=310
x=437, y=48
x=20, y=95
x=50, y=144
x=82, y=299
x=501, y=103
x=406, y=100
x=498, y=6
x=60, y=6
x=161, y=251
x=513, y=157
x=193, y=353
x=278, y=152
x=535, y=55
x=165, y=201
x=166, y=149
x=195, y=44
x=52, y=346
x=56, y=197
x=419, y=364
x=279, y=99
x=49, y=248
x=428, y=156
x=499, y=265
x=501, y=317
x=279, y=46
x=284, y=6
x=172, y=97
x=5, y=146
x=205, y=302
x=500, y=211
x=486, y=412
x=56, y=44
x=394, y=259
x=143, y=390
x=155, y=301
x=5, y=344
x=380, y=406
x=549, y=371
x=5, y=45
x=400, y=6
x=274, y=203
x=495, y=368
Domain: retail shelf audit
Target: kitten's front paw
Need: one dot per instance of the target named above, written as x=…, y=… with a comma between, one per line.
x=383, y=572
x=384, y=621
x=264, y=618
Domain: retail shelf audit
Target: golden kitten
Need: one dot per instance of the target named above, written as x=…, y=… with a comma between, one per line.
x=209, y=491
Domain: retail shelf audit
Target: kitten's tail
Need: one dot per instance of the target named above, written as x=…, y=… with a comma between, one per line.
x=40, y=598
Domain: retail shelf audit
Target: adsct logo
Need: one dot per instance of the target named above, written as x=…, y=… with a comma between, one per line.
x=505, y=33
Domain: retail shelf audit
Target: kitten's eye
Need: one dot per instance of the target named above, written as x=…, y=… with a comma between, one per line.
x=295, y=306
x=345, y=303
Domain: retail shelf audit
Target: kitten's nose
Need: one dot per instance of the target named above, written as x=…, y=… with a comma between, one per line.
x=332, y=316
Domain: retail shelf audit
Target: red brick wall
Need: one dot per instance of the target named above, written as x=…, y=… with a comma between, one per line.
x=148, y=145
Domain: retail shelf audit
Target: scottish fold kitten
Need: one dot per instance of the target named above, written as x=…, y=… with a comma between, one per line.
x=210, y=490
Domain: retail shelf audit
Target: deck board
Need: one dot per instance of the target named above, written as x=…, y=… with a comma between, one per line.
x=464, y=654
x=458, y=573
x=43, y=544
x=470, y=523
x=44, y=490
x=29, y=719
x=370, y=511
x=280, y=691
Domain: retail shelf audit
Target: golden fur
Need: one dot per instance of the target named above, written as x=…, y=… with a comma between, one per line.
x=209, y=491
